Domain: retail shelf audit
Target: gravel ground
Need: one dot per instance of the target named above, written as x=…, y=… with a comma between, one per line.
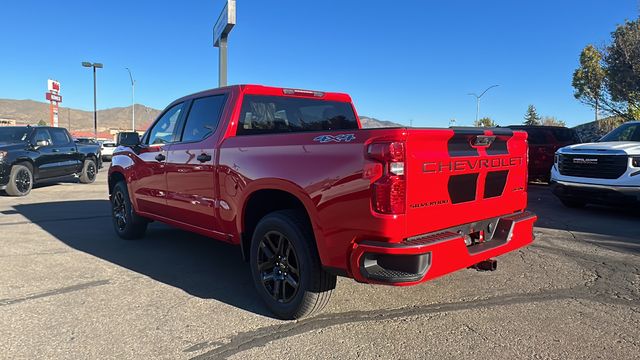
x=72, y=290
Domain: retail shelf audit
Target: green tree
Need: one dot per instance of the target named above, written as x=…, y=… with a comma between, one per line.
x=623, y=68
x=484, y=122
x=588, y=79
x=532, y=117
x=42, y=123
x=552, y=121
x=619, y=61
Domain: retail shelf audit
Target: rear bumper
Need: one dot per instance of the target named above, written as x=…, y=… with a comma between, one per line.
x=436, y=254
x=600, y=194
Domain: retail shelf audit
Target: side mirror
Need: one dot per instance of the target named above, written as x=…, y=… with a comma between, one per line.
x=41, y=143
x=130, y=139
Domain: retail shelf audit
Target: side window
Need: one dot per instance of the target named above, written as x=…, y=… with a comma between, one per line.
x=164, y=130
x=203, y=117
x=59, y=137
x=41, y=135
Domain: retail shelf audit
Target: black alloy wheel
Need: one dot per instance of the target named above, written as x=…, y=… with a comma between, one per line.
x=119, y=211
x=23, y=180
x=91, y=171
x=278, y=266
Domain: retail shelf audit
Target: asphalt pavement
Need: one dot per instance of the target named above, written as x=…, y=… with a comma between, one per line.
x=71, y=289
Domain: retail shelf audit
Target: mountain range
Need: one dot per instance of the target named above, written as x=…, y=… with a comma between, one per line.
x=30, y=112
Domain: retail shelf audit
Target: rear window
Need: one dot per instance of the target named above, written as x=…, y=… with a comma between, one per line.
x=566, y=135
x=278, y=114
x=108, y=145
x=536, y=136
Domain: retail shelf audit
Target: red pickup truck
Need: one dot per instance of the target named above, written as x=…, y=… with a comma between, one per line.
x=290, y=177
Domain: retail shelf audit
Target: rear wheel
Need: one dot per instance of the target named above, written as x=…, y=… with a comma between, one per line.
x=126, y=223
x=20, y=180
x=571, y=203
x=286, y=268
x=89, y=171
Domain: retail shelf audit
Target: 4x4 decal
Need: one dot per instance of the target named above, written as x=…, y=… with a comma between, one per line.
x=337, y=138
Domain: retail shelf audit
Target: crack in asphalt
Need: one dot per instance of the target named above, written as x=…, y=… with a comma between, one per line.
x=256, y=338
x=64, y=290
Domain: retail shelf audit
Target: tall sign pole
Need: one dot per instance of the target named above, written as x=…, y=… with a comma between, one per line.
x=54, y=97
x=221, y=30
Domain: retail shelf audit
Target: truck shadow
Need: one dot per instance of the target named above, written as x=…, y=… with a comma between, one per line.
x=612, y=227
x=198, y=265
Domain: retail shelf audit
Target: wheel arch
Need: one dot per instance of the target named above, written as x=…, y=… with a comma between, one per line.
x=269, y=197
x=114, y=178
x=30, y=163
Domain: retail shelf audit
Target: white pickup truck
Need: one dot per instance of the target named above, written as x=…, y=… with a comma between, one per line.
x=605, y=172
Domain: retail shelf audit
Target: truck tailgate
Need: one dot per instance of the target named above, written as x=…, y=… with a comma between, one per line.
x=459, y=176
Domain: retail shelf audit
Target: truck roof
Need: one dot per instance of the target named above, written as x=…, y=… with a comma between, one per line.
x=276, y=91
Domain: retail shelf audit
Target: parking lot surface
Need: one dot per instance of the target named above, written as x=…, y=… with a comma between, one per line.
x=72, y=290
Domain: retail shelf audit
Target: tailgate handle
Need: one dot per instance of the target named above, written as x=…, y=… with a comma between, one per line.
x=483, y=140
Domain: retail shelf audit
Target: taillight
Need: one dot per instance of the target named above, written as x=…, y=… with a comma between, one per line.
x=389, y=191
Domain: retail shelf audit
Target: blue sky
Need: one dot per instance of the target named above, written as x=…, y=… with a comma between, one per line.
x=400, y=61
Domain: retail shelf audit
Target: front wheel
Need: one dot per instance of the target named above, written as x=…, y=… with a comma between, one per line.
x=127, y=224
x=20, y=181
x=286, y=268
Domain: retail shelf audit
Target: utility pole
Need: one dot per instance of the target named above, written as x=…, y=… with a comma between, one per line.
x=133, y=101
x=95, y=106
x=478, y=97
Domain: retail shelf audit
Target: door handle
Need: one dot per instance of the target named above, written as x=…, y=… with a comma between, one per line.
x=204, y=157
x=160, y=157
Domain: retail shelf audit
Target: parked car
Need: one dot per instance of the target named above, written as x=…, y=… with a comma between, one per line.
x=604, y=172
x=91, y=141
x=544, y=141
x=107, y=150
x=291, y=178
x=32, y=154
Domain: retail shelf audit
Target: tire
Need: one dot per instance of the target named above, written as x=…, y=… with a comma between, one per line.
x=127, y=224
x=20, y=180
x=89, y=171
x=574, y=204
x=278, y=269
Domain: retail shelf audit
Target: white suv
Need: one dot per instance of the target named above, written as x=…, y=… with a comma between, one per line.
x=107, y=150
x=606, y=171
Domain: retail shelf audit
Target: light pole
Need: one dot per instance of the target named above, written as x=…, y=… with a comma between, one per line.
x=95, y=111
x=133, y=101
x=478, y=100
x=221, y=30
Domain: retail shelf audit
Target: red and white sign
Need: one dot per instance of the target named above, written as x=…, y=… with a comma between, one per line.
x=53, y=86
x=53, y=97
